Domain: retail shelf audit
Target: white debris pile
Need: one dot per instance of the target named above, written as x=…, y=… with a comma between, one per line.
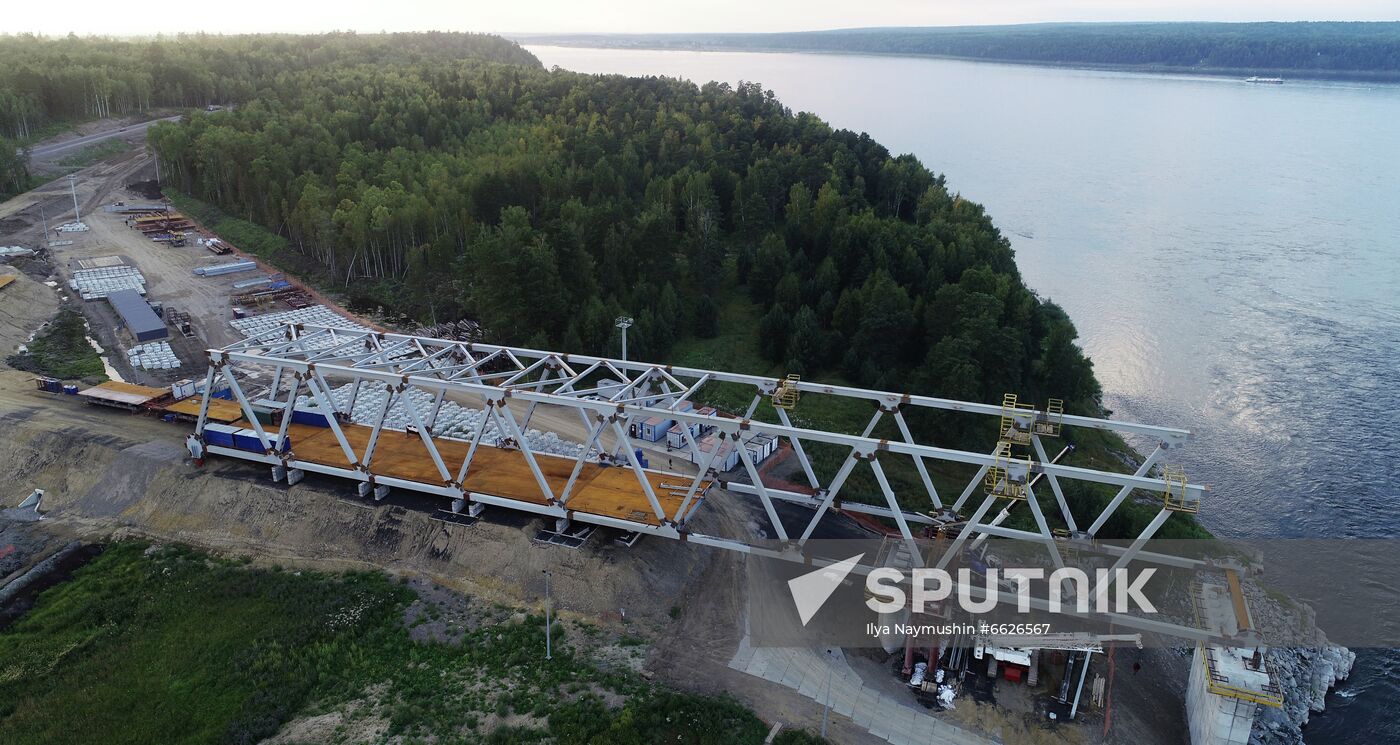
x=454, y=421
x=154, y=356
x=95, y=284
x=315, y=315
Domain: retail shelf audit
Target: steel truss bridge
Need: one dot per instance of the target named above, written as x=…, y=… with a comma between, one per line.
x=473, y=474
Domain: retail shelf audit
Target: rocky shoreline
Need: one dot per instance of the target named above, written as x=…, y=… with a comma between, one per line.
x=1305, y=676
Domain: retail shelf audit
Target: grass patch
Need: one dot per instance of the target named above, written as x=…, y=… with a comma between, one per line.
x=61, y=350
x=96, y=152
x=172, y=645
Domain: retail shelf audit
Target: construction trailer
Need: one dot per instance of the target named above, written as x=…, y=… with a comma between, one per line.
x=604, y=483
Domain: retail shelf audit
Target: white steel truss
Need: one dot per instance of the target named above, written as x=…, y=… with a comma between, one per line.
x=607, y=394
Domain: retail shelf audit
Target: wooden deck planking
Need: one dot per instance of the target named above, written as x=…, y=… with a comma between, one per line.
x=224, y=412
x=609, y=491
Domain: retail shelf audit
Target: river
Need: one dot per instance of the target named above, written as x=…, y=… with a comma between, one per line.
x=1229, y=252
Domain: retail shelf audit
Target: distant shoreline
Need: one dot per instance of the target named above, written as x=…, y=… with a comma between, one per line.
x=1353, y=76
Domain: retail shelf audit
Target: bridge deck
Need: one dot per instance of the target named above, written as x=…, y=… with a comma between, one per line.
x=609, y=491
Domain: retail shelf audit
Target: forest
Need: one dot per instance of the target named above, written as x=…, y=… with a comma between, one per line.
x=444, y=176
x=1324, y=49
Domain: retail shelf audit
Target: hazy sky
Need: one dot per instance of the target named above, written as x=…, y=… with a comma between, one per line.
x=236, y=16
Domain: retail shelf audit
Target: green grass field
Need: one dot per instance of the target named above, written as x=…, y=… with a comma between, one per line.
x=172, y=645
x=61, y=350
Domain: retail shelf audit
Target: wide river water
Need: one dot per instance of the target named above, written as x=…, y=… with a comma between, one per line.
x=1229, y=252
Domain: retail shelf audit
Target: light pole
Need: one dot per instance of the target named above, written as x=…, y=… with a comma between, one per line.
x=624, y=323
x=826, y=703
x=548, y=619
x=73, y=187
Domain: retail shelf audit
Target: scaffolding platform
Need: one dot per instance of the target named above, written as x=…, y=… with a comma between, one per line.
x=610, y=491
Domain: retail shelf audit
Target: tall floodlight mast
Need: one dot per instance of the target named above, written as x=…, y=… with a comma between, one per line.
x=624, y=323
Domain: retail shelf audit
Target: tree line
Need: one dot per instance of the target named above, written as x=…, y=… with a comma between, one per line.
x=45, y=80
x=1323, y=48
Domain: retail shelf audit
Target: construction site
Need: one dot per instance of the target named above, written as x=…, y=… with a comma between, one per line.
x=246, y=413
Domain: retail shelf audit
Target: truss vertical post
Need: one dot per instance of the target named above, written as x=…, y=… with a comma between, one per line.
x=203, y=417
x=323, y=402
x=641, y=475
x=476, y=441
x=247, y=407
x=1055, y=485
x=753, y=406
x=437, y=407
x=894, y=507
x=1142, y=470
x=976, y=479
x=287, y=410
x=1044, y=527
x=424, y=435
x=797, y=448
x=700, y=474
x=389, y=396
x=582, y=458
x=760, y=488
x=354, y=397
x=1101, y=590
x=504, y=416
x=918, y=459
x=831, y=491
x=972, y=522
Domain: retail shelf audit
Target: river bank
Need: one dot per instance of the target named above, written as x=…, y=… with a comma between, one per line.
x=1239, y=73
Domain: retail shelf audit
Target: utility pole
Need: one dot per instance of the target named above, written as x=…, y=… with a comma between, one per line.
x=826, y=702
x=624, y=323
x=45, y=219
x=73, y=187
x=548, y=619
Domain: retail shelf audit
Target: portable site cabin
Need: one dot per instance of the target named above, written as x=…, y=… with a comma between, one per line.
x=727, y=459
x=651, y=429
x=675, y=436
x=762, y=446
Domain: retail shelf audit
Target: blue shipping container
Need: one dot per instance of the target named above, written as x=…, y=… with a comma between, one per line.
x=309, y=418
x=217, y=434
x=247, y=439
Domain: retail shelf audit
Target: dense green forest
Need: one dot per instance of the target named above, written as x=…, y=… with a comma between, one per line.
x=449, y=175
x=45, y=80
x=1324, y=48
x=544, y=204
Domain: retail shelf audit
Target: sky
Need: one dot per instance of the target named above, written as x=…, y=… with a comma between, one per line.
x=146, y=17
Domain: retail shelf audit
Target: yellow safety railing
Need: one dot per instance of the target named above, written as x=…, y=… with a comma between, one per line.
x=1050, y=425
x=1174, y=491
x=786, y=394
